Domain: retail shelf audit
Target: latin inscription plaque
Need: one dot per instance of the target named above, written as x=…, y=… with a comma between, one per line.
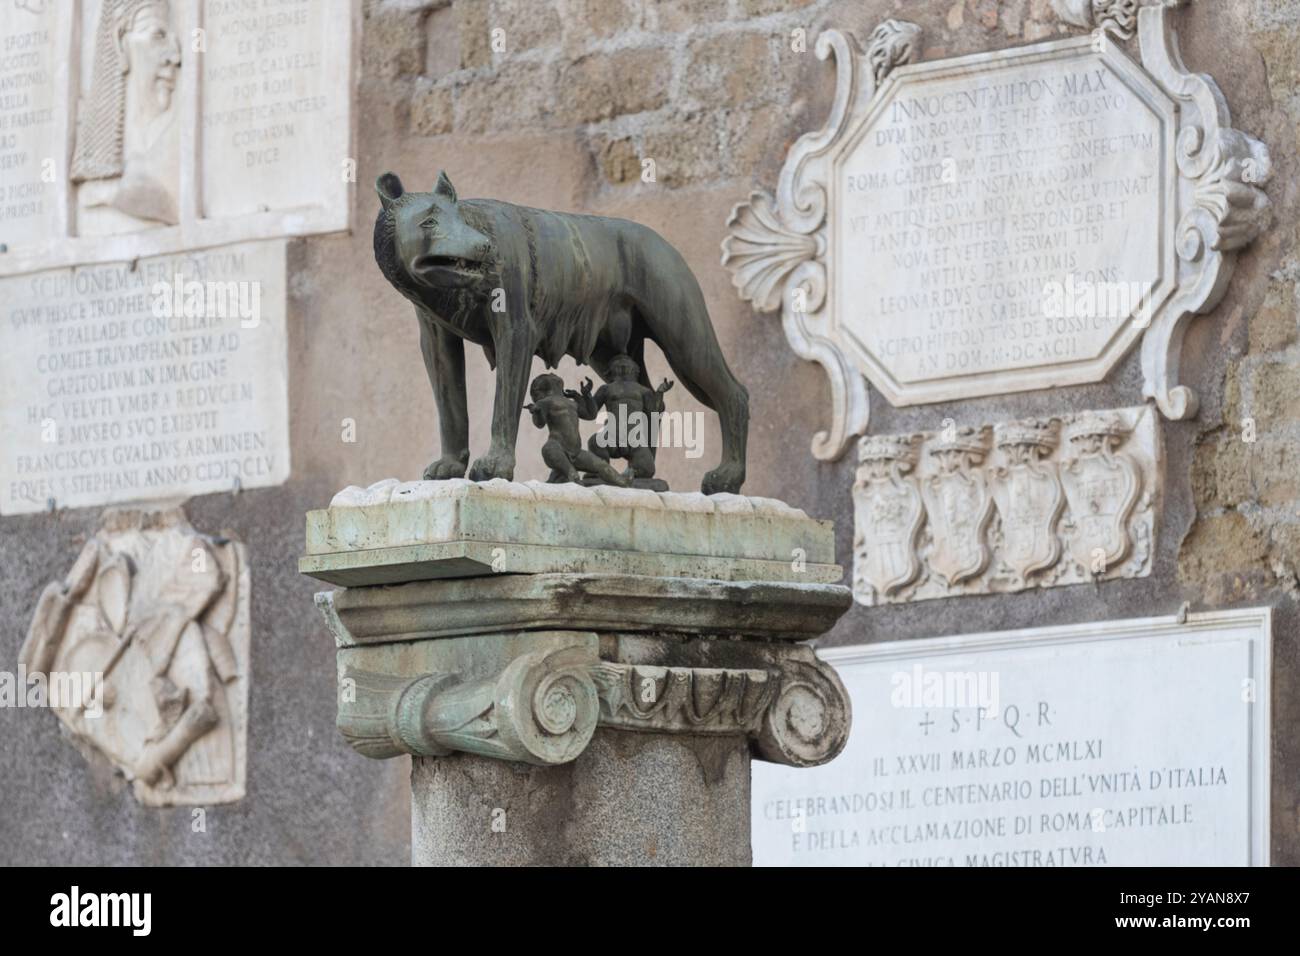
x=31, y=129
x=161, y=379
x=1003, y=224
x=1004, y=221
x=275, y=108
x=1125, y=743
x=132, y=130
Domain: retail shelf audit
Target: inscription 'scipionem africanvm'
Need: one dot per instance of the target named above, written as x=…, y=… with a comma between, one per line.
x=162, y=378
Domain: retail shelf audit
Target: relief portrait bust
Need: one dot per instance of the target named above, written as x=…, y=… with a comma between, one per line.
x=126, y=162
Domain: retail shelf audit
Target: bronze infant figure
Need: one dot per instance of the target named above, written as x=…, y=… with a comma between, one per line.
x=520, y=282
x=628, y=404
x=556, y=409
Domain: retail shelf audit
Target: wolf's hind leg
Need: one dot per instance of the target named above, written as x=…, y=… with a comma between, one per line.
x=703, y=371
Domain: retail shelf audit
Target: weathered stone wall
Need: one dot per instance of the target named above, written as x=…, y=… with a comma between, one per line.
x=564, y=116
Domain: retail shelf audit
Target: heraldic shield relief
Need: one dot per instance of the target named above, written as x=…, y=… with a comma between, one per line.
x=958, y=506
x=153, y=621
x=1102, y=485
x=1005, y=507
x=888, y=515
x=1029, y=496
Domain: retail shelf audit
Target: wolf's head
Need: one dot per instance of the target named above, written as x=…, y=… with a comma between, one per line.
x=432, y=241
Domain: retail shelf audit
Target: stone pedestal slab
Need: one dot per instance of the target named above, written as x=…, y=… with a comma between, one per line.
x=394, y=532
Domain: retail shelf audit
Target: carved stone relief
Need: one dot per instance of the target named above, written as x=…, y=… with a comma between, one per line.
x=1118, y=16
x=127, y=161
x=143, y=128
x=156, y=616
x=1006, y=507
x=922, y=238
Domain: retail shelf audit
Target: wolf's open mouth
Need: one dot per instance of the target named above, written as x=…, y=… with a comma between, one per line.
x=448, y=262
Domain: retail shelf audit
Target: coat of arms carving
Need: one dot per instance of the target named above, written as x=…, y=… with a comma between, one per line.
x=1029, y=496
x=1102, y=485
x=888, y=514
x=1068, y=500
x=959, y=506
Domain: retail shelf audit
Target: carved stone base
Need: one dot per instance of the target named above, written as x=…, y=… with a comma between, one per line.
x=583, y=712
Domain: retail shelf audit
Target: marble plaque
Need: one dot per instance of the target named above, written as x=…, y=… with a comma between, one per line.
x=275, y=107
x=1004, y=507
x=1005, y=221
x=1121, y=743
x=158, y=379
x=34, y=82
x=133, y=128
x=970, y=187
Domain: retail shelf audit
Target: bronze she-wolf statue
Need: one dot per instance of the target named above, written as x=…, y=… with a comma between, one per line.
x=520, y=282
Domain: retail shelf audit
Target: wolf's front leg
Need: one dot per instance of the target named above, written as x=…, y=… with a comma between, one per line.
x=514, y=349
x=444, y=360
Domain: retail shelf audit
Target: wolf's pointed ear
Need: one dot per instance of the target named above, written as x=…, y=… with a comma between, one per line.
x=444, y=187
x=389, y=188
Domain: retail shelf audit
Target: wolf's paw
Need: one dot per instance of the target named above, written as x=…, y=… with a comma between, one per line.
x=726, y=478
x=445, y=467
x=493, y=465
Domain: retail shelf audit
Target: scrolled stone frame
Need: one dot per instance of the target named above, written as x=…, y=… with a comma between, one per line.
x=778, y=247
x=1222, y=207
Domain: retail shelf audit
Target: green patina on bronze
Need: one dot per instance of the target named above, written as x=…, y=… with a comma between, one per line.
x=520, y=282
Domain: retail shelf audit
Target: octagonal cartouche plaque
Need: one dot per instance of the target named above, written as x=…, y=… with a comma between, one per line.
x=1003, y=222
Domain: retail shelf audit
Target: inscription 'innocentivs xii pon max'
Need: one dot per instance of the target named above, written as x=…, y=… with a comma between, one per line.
x=520, y=282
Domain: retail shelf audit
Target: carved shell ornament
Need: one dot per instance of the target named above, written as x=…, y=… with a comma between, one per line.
x=776, y=246
x=1210, y=205
x=762, y=251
